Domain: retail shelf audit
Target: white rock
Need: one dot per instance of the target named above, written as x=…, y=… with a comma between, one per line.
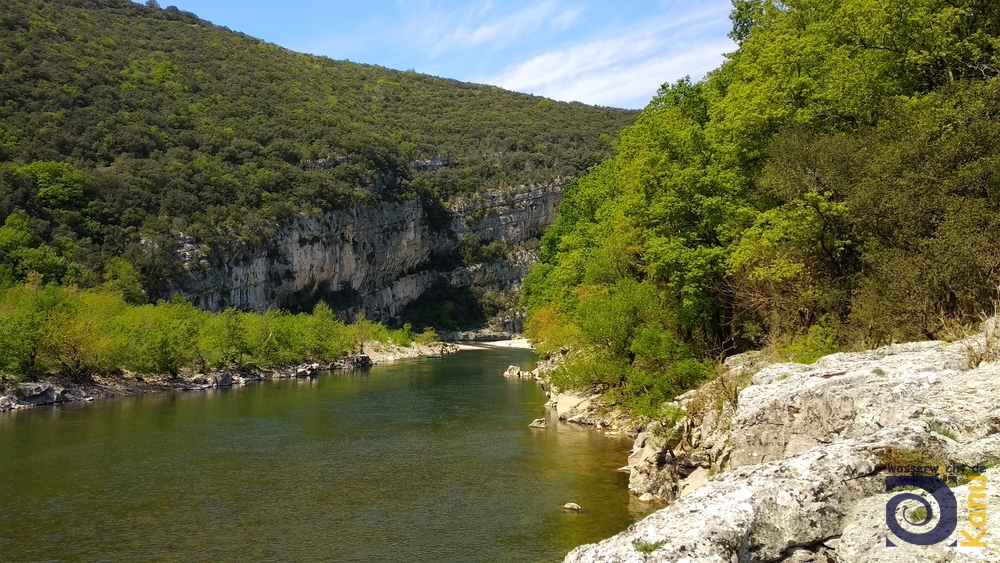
x=802, y=449
x=515, y=372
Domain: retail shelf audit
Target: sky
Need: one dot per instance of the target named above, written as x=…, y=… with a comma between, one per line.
x=597, y=52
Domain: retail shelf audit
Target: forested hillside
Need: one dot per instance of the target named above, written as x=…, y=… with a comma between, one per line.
x=122, y=123
x=833, y=185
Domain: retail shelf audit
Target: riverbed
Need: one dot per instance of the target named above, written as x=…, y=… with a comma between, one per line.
x=417, y=460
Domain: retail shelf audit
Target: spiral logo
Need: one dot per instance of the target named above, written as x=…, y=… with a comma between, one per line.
x=946, y=505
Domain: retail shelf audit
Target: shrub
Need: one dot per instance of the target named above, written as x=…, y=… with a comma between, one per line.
x=427, y=337
x=402, y=336
x=819, y=341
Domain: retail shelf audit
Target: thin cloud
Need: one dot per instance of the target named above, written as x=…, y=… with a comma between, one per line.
x=626, y=68
x=634, y=84
x=442, y=31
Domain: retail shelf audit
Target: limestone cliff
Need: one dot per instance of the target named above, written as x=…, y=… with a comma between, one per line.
x=801, y=459
x=377, y=259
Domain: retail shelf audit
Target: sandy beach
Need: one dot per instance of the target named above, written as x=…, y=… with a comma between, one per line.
x=519, y=343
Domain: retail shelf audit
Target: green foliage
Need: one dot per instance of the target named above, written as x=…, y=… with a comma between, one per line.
x=911, y=457
x=473, y=251
x=402, y=336
x=943, y=430
x=649, y=547
x=121, y=277
x=818, y=341
x=59, y=185
x=123, y=126
x=427, y=337
x=20, y=254
x=79, y=333
x=447, y=308
x=832, y=185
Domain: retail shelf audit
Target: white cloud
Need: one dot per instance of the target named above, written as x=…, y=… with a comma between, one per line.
x=625, y=69
x=440, y=31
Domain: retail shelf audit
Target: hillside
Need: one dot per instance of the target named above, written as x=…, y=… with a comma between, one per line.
x=832, y=186
x=122, y=123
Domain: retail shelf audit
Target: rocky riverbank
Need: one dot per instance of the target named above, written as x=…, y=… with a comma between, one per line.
x=793, y=467
x=57, y=390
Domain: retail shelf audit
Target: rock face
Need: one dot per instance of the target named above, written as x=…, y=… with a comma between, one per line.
x=801, y=461
x=791, y=408
x=653, y=471
x=864, y=538
x=375, y=259
x=38, y=394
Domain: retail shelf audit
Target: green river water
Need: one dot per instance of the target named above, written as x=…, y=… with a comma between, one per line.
x=419, y=460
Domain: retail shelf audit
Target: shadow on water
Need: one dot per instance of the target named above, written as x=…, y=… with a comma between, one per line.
x=414, y=460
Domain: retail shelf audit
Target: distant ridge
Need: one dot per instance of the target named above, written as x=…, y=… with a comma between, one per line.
x=122, y=122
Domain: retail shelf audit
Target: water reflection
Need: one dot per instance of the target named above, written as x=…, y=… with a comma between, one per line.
x=417, y=460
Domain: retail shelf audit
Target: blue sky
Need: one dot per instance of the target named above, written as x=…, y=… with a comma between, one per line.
x=605, y=53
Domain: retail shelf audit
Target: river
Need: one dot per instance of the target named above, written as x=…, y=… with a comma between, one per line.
x=418, y=460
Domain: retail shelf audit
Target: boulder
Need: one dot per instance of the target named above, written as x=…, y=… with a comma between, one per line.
x=576, y=407
x=515, y=372
x=71, y=395
x=790, y=408
x=38, y=394
x=198, y=383
x=356, y=361
x=652, y=474
x=538, y=423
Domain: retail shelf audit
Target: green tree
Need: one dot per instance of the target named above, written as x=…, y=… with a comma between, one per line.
x=59, y=185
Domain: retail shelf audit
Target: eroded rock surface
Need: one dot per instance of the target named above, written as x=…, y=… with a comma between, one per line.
x=800, y=463
x=376, y=258
x=791, y=408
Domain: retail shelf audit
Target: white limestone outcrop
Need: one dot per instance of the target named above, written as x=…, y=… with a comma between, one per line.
x=800, y=464
x=375, y=259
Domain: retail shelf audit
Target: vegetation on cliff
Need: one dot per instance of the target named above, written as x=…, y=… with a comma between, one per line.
x=834, y=184
x=122, y=125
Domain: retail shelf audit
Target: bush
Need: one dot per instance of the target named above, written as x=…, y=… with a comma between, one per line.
x=51, y=329
x=819, y=341
x=427, y=337
x=402, y=336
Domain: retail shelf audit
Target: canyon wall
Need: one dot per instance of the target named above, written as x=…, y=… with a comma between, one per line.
x=375, y=259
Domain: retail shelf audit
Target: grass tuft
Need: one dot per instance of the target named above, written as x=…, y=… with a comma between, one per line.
x=649, y=547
